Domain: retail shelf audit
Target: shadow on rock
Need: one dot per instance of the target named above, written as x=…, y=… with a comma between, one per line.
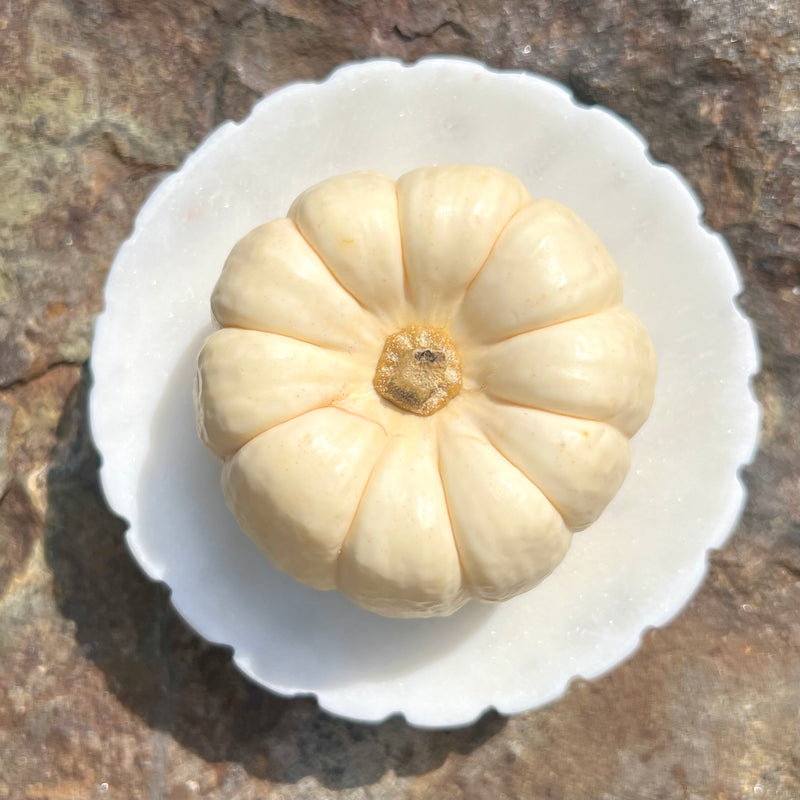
x=179, y=683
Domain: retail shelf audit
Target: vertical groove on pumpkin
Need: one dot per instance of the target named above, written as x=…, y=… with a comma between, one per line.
x=358, y=508
x=516, y=466
x=457, y=306
x=406, y=282
x=330, y=271
x=466, y=581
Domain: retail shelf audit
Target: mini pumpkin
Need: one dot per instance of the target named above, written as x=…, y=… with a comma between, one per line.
x=420, y=389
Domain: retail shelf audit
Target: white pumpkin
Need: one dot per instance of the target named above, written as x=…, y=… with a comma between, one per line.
x=420, y=389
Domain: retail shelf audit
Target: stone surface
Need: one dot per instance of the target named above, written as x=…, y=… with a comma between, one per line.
x=104, y=691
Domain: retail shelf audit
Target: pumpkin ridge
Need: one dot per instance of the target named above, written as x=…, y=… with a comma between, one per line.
x=406, y=282
x=616, y=343
x=358, y=506
x=339, y=349
x=334, y=404
x=553, y=324
x=330, y=271
x=472, y=280
x=504, y=402
x=516, y=466
x=607, y=448
x=272, y=427
x=466, y=581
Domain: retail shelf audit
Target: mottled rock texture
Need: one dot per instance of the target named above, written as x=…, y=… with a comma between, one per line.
x=104, y=691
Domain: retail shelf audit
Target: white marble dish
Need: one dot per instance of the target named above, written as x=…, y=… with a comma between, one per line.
x=635, y=568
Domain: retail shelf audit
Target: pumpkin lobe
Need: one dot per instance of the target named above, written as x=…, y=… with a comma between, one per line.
x=419, y=370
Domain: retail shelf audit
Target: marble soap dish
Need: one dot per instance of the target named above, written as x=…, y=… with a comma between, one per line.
x=633, y=569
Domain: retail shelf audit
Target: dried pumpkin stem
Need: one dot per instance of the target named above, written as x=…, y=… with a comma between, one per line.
x=419, y=370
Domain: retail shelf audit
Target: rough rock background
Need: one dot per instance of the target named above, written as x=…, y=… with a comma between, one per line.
x=104, y=692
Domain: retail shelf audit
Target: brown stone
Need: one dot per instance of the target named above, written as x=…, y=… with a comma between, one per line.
x=104, y=691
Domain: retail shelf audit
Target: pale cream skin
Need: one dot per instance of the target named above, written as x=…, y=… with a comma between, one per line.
x=412, y=511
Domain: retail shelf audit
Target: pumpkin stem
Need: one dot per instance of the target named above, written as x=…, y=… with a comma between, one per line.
x=419, y=370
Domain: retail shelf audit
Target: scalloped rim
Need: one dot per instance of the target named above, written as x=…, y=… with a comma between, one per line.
x=683, y=587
